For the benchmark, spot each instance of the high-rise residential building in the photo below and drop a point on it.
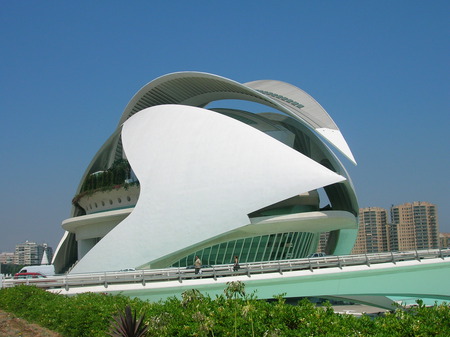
(31, 253)
(373, 231)
(414, 226)
(323, 239)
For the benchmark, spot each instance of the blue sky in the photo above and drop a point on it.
(68, 69)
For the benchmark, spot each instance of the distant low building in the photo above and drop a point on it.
(444, 240)
(6, 258)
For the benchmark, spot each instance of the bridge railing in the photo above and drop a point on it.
(106, 279)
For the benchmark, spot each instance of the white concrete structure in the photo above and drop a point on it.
(212, 182)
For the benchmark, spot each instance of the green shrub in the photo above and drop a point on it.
(233, 313)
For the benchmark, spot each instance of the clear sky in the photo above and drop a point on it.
(68, 69)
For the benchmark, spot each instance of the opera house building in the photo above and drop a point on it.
(202, 165)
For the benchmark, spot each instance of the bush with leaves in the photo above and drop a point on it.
(233, 313)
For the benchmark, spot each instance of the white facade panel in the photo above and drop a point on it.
(201, 173)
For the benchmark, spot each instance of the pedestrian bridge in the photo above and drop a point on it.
(373, 279)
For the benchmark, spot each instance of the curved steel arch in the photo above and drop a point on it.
(308, 110)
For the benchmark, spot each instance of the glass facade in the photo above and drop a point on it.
(280, 246)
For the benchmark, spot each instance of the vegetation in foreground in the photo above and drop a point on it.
(232, 314)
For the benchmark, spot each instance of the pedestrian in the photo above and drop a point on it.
(197, 264)
(236, 263)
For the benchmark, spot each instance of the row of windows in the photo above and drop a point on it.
(111, 202)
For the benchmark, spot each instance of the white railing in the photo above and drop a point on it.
(179, 274)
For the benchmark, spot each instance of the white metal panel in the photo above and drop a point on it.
(201, 173)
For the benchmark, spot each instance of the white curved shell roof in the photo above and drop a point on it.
(199, 89)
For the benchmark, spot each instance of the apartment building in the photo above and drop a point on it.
(31, 253)
(373, 234)
(414, 226)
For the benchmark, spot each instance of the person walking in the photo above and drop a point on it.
(236, 263)
(197, 264)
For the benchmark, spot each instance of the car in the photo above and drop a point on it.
(47, 270)
(316, 255)
(128, 269)
(22, 276)
(37, 279)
